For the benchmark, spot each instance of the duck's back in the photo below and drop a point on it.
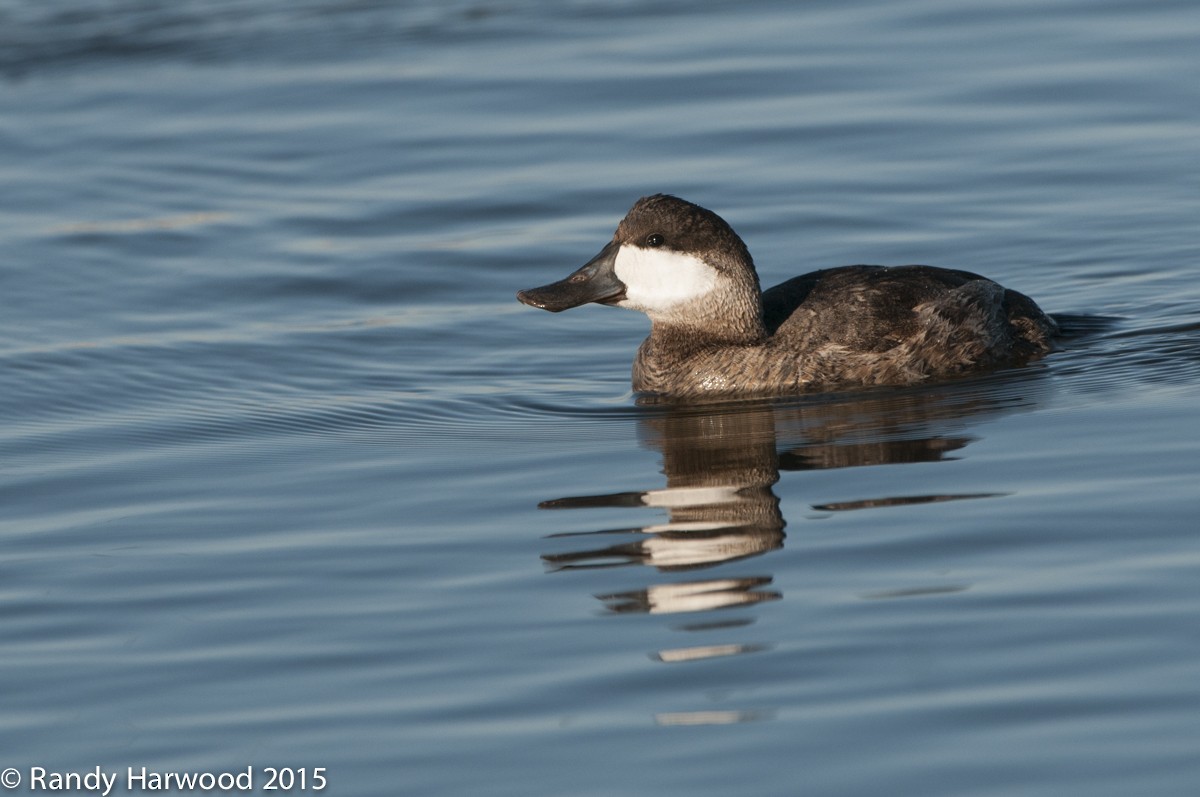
(876, 325)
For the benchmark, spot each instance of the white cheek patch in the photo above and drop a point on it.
(658, 279)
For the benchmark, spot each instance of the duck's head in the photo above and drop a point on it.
(676, 262)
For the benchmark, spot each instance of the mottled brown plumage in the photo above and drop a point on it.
(713, 333)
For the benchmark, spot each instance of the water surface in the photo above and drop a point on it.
(290, 479)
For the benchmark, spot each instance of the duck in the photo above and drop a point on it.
(715, 333)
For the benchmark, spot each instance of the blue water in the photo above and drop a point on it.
(274, 432)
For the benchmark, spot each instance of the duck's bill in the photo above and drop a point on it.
(595, 282)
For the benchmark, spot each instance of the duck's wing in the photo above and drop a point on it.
(872, 309)
(857, 301)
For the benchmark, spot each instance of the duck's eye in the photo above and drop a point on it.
(654, 240)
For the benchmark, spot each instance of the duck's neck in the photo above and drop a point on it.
(735, 321)
(684, 339)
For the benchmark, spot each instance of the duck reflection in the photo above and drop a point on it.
(721, 464)
(720, 468)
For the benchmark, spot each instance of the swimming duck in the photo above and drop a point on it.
(714, 332)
